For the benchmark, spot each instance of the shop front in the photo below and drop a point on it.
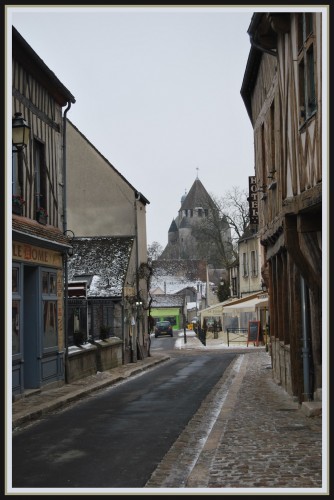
(239, 312)
(173, 315)
(37, 315)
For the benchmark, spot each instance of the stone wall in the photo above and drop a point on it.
(109, 353)
(88, 359)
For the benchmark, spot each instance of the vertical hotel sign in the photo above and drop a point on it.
(253, 208)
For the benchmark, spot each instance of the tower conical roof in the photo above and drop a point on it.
(173, 227)
(197, 197)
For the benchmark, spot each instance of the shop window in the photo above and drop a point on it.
(49, 305)
(50, 323)
(49, 283)
(45, 282)
(15, 326)
(16, 308)
(15, 280)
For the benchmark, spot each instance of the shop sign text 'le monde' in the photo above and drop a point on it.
(30, 253)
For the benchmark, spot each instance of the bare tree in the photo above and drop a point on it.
(154, 250)
(235, 207)
(217, 234)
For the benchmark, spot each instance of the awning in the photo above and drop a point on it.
(238, 305)
(215, 310)
(247, 305)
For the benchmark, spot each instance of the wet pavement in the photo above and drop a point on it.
(261, 439)
(248, 435)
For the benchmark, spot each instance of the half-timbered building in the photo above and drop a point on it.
(282, 92)
(39, 245)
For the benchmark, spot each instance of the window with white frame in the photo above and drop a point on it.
(244, 264)
(254, 266)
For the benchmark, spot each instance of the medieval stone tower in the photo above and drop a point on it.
(196, 206)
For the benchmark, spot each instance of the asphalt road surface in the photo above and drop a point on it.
(116, 438)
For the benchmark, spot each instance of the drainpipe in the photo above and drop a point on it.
(136, 331)
(64, 168)
(305, 338)
(65, 229)
(123, 332)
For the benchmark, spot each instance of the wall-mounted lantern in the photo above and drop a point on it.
(20, 133)
(71, 238)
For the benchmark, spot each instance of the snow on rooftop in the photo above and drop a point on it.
(103, 262)
(173, 276)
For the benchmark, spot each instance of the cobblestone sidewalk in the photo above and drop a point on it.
(260, 439)
(248, 434)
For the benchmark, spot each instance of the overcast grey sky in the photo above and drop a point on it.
(157, 92)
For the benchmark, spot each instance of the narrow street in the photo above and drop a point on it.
(117, 438)
(167, 327)
(166, 429)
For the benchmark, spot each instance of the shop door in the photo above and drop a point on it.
(31, 326)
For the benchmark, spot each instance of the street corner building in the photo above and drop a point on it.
(39, 245)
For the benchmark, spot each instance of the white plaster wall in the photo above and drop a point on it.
(100, 202)
(249, 283)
